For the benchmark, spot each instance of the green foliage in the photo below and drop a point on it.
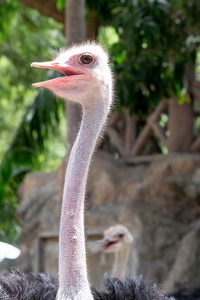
(28, 119)
(7, 11)
(60, 4)
(41, 115)
(156, 40)
(40, 121)
(29, 37)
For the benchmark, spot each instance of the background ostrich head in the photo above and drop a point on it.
(116, 238)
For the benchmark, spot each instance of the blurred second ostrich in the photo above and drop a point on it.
(117, 239)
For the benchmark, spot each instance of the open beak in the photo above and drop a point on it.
(106, 243)
(67, 70)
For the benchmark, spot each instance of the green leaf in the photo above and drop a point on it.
(60, 4)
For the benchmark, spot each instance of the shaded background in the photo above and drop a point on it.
(147, 168)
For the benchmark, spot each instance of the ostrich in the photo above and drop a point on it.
(87, 81)
(117, 239)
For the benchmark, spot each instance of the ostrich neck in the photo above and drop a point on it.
(72, 255)
(120, 263)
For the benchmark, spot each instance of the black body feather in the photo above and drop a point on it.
(133, 288)
(18, 286)
(187, 294)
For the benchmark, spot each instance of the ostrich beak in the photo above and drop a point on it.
(106, 243)
(67, 70)
(103, 241)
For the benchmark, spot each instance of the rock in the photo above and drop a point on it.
(7, 264)
(186, 266)
(39, 215)
(166, 210)
(172, 165)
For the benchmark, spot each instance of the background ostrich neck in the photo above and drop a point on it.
(72, 257)
(120, 263)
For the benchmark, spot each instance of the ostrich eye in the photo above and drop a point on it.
(86, 59)
(121, 235)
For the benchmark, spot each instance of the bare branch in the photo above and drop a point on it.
(132, 160)
(130, 131)
(155, 116)
(115, 117)
(147, 130)
(116, 140)
(159, 132)
(141, 140)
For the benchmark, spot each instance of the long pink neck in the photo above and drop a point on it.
(72, 257)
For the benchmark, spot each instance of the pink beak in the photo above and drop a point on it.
(67, 70)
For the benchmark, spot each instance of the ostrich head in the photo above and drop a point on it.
(116, 238)
(86, 77)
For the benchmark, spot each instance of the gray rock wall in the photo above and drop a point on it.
(159, 203)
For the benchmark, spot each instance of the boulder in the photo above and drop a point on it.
(186, 267)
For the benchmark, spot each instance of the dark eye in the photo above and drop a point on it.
(86, 59)
(121, 235)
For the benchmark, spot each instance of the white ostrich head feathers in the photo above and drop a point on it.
(87, 75)
(116, 238)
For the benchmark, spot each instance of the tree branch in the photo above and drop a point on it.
(116, 140)
(147, 130)
(115, 117)
(132, 160)
(130, 131)
(158, 130)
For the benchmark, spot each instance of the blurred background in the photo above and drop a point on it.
(146, 171)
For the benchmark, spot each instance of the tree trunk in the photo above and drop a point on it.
(75, 33)
(181, 118)
(92, 25)
(180, 126)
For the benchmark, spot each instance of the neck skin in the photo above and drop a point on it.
(120, 263)
(73, 282)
